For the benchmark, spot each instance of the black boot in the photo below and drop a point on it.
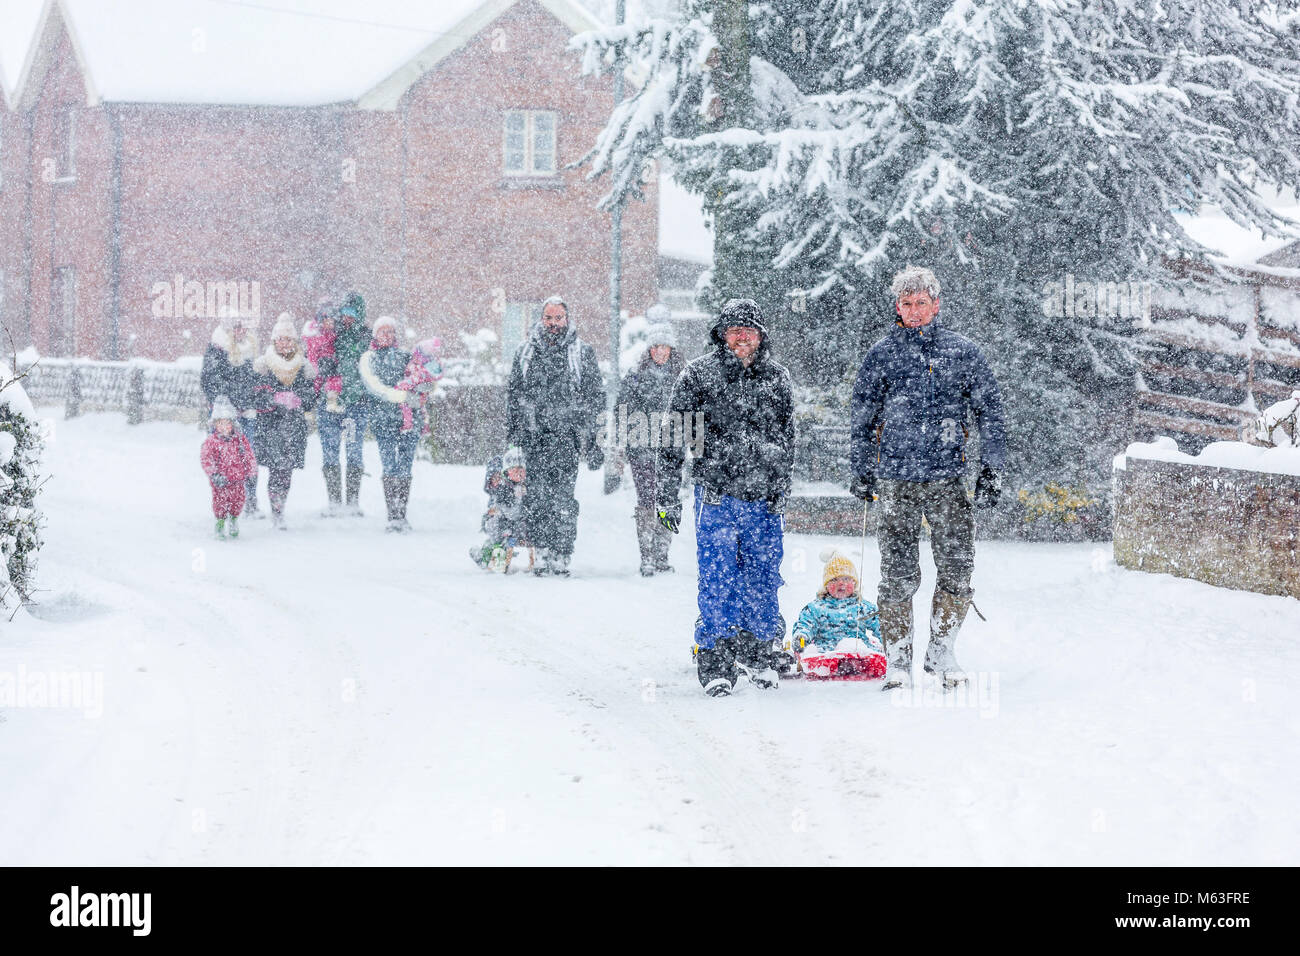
(354, 489)
(754, 657)
(716, 668)
(250, 498)
(662, 539)
(645, 539)
(389, 501)
(334, 490)
(401, 495)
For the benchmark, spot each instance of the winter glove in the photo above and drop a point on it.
(670, 516)
(218, 480)
(413, 399)
(776, 506)
(287, 400)
(863, 487)
(327, 366)
(988, 488)
(595, 457)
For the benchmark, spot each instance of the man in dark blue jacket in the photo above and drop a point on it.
(744, 461)
(913, 396)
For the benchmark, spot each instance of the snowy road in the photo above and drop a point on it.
(337, 695)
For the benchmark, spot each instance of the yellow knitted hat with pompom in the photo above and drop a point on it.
(838, 566)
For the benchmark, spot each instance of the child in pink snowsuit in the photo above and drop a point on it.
(422, 374)
(228, 461)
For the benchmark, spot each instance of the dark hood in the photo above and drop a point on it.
(717, 335)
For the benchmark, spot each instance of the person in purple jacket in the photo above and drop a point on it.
(914, 393)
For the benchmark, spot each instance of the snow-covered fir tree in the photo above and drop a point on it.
(20, 521)
(1009, 145)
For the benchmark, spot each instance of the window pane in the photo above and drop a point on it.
(516, 142)
(543, 142)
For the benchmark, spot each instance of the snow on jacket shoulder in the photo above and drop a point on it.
(913, 396)
(827, 621)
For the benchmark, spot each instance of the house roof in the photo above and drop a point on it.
(40, 56)
(256, 52)
(387, 94)
(1232, 244)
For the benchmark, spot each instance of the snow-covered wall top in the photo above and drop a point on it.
(1221, 454)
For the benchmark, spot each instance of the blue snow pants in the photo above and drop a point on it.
(738, 546)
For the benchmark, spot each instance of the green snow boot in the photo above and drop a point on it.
(221, 528)
(234, 527)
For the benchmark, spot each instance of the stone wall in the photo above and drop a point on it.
(1224, 526)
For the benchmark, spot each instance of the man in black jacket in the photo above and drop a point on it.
(742, 473)
(553, 404)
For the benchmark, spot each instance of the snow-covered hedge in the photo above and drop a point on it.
(20, 521)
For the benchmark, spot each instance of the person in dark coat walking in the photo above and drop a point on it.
(228, 370)
(381, 368)
(743, 468)
(639, 420)
(342, 417)
(914, 393)
(553, 405)
(284, 393)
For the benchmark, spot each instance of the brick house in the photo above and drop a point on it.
(137, 207)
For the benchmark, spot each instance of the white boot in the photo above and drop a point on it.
(947, 612)
(896, 635)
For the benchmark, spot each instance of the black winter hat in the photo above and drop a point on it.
(741, 312)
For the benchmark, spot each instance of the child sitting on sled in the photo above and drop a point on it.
(422, 374)
(838, 634)
(503, 522)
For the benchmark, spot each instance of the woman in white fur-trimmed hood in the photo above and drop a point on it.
(284, 391)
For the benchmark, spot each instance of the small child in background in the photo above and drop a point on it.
(228, 461)
(422, 374)
(503, 522)
(838, 634)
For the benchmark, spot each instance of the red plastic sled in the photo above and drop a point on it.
(840, 665)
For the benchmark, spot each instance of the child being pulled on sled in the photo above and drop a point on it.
(503, 522)
(228, 461)
(422, 374)
(840, 619)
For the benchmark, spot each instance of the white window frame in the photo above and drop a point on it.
(65, 277)
(67, 168)
(530, 160)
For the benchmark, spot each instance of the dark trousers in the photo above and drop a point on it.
(643, 476)
(952, 536)
(550, 508)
